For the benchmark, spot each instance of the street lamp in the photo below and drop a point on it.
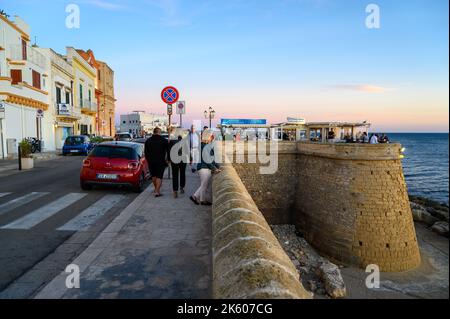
(210, 115)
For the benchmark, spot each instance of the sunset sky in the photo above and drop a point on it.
(265, 58)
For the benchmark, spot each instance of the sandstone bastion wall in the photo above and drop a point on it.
(248, 261)
(350, 201)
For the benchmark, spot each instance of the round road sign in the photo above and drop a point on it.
(170, 95)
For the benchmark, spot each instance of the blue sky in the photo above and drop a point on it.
(266, 59)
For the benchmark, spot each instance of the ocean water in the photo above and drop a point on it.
(425, 165)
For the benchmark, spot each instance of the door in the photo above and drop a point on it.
(65, 134)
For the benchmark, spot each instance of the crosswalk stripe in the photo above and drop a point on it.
(12, 204)
(4, 194)
(41, 214)
(92, 213)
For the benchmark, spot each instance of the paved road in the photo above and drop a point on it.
(46, 221)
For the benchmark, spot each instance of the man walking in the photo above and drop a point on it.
(156, 148)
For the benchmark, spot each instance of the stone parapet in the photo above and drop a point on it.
(248, 261)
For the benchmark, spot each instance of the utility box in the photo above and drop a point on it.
(11, 147)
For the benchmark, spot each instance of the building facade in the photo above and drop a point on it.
(140, 123)
(84, 74)
(24, 87)
(105, 100)
(61, 117)
(50, 96)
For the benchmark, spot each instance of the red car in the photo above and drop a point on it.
(115, 163)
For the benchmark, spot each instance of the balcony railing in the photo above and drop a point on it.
(65, 109)
(32, 55)
(60, 62)
(89, 105)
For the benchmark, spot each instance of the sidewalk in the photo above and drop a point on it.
(13, 164)
(156, 248)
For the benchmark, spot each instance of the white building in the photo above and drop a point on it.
(140, 123)
(24, 85)
(61, 116)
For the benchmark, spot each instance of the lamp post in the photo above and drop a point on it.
(209, 114)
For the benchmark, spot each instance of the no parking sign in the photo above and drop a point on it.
(170, 95)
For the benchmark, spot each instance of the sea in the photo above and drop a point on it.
(425, 165)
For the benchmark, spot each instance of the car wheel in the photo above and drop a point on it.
(84, 186)
(140, 186)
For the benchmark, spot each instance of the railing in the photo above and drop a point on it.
(32, 55)
(91, 105)
(65, 109)
(60, 62)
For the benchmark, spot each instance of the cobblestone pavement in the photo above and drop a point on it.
(156, 248)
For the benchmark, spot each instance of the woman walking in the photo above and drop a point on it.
(205, 168)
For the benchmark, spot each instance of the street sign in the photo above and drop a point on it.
(2, 110)
(170, 95)
(169, 109)
(181, 107)
(40, 113)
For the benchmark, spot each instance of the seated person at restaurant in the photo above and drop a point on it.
(331, 135)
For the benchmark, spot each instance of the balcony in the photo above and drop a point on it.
(32, 55)
(67, 113)
(89, 107)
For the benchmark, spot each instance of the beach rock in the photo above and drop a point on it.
(440, 228)
(420, 214)
(331, 276)
(312, 285)
(438, 213)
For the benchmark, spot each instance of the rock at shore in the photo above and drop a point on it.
(420, 214)
(332, 278)
(440, 228)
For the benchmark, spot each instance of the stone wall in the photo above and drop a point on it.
(352, 205)
(349, 200)
(274, 194)
(248, 261)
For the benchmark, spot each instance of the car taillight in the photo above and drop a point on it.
(133, 165)
(86, 163)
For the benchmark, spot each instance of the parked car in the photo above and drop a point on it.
(115, 163)
(123, 137)
(79, 144)
(140, 140)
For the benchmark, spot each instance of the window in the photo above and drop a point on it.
(124, 122)
(58, 95)
(16, 76)
(81, 95)
(89, 95)
(67, 97)
(114, 152)
(24, 49)
(36, 80)
(98, 75)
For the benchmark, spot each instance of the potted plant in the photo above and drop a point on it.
(26, 157)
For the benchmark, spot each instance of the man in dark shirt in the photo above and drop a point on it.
(156, 148)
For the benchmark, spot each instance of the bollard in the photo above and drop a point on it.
(19, 155)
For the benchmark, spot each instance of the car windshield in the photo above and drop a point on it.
(75, 140)
(114, 152)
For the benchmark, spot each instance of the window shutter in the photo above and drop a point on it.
(16, 76)
(24, 50)
(36, 80)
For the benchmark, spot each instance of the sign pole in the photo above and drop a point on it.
(1, 138)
